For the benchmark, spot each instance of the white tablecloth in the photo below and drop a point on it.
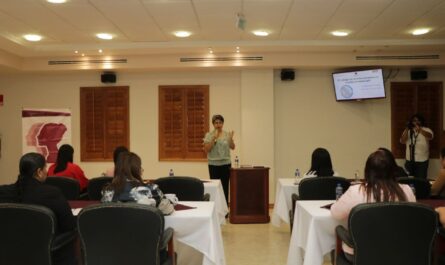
(283, 202)
(199, 228)
(314, 232)
(214, 188)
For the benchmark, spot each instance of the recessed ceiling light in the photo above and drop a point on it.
(83, 54)
(420, 31)
(182, 34)
(104, 36)
(56, 1)
(260, 33)
(339, 33)
(100, 51)
(32, 37)
(76, 52)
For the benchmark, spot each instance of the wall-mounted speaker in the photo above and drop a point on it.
(108, 77)
(287, 74)
(419, 74)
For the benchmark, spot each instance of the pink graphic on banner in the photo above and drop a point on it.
(44, 131)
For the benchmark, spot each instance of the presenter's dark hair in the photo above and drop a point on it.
(28, 166)
(217, 117)
(64, 156)
(321, 163)
(419, 117)
(380, 181)
(117, 151)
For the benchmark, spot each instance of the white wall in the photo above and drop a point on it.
(62, 91)
(307, 116)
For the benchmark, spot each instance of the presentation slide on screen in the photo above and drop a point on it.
(359, 85)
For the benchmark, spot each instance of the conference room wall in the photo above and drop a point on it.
(307, 116)
(62, 91)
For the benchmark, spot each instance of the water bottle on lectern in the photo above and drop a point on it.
(171, 173)
(236, 162)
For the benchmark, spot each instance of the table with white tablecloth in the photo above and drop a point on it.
(215, 189)
(313, 234)
(283, 201)
(198, 229)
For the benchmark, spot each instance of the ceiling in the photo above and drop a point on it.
(146, 26)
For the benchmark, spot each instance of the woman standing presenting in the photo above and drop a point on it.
(217, 144)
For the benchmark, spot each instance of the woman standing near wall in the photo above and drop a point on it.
(217, 144)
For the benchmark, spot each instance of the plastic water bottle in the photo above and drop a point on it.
(413, 188)
(171, 173)
(338, 191)
(236, 162)
(297, 176)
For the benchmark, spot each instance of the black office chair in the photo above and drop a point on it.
(389, 234)
(185, 188)
(27, 235)
(69, 187)
(95, 186)
(124, 233)
(317, 188)
(422, 186)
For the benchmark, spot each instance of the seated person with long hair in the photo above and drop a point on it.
(380, 185)
(64, 167)
(128, 186)
(31, 189)
(117, 151)
(321, 164)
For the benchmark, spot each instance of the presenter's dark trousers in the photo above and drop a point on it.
(222, 173)
(417, 169)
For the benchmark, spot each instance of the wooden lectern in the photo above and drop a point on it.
(249, 195)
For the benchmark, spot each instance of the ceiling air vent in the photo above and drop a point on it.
(398, 57)
(92, 61)
(220, 59)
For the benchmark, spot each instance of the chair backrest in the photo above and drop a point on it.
(422, 186)
(393, 233)
(120, 233)
(95, 186)
(321, 188)
(69, 187)
(26, 234)
(185, 188)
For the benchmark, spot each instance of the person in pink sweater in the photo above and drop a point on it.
(380, 186)
(64, 167)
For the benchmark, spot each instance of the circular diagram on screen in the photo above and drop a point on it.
(346, 91)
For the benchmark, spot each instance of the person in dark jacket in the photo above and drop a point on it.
(31, 189)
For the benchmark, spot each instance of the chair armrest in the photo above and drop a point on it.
(344, 235)
(84, 196)
(206, 197)
(295, 197)
(62, 240)
(168, 235)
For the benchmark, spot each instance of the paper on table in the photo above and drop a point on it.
(76, 211)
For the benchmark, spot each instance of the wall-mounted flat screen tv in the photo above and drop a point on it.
(358, 85)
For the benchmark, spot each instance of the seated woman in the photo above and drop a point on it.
(380, 186)
(31, 189)
(398, 170)
(321, 164)
(64, 166)
(117, 151)
(438, 187)
(127, 185)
